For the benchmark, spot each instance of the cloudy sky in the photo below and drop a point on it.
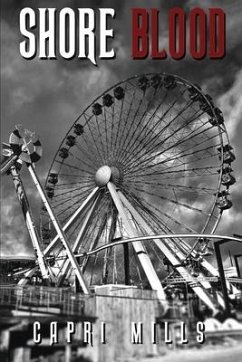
(47, 95)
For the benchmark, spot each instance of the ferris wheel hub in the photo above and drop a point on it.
(103, 175)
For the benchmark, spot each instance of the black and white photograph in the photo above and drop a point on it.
(121, 181)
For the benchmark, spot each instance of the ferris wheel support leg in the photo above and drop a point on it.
(139, 248)
(59, 230)
(30, 223)
(72, 219)
(174, 258)
(85, 224)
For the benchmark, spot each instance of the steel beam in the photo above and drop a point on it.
(174, 257)
(59, 230)
(72, 219)
(77, 242)
(30, 223)
(138, 246)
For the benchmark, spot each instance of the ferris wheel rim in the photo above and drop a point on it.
(185, 83)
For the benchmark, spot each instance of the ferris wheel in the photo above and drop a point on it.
(151, 155)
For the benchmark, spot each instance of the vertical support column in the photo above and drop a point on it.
(126, 264)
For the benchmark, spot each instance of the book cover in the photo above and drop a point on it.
(121, 181)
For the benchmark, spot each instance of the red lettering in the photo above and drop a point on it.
(177, 26)
(140, 38)
(207, 35)
(198, 33)
(217, 33)
(155, 53)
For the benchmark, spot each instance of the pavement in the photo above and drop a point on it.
(211, 354)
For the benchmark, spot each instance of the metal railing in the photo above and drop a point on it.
(47, 300)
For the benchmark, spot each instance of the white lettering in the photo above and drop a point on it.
(27, 47)
(67, 33)
(53, 333)
(105, 33)
(47, 37)
(70, 329)
(36, 332)
(136, 333)
(200, 332)
(87, 333)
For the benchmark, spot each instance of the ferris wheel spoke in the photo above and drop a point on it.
(154, 212)
(98, 152)
(83, 163)
(161, 168)
(204, 170)
(74, 167)
(124, 134)
(169, 186)
(112, 136)
(165, 127)
(144, 161)
(72, 190)
(92, 160)
(180, 156)
(181, 163)
(100, 138)
(111, 131)
(169, 124)
(192, 149)
(68, 176)
(151, 116)
(192, 152)
(138, 127)
(173, 201)
(89, 142)
(119, 119)
(172, 146)
(68, 199)
(123, 115)
(141, 154)
(64, 185)
(196, 175)
(106, 131)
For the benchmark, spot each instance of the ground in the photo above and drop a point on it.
(211, 354)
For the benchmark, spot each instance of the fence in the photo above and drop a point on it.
(49, 300)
